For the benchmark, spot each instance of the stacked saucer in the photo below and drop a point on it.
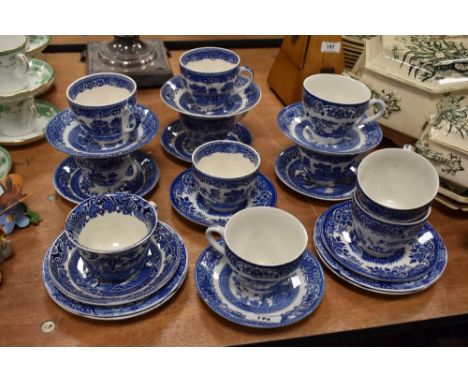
(381, 240)
(114, 260)
(102, 132)
(22, 117)
(331, 132)
(211, 96)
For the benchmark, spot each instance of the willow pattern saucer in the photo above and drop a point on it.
(294, 124)
(65, 134)
(117, 312)
(71, 276)
(380, 287)
(175, 95)
(288, 303)
(188, 203)
(41, 77)
(289, 169)
(45, 111)
(176, 140)
(74, 185)
(5, 162)
(412, 262)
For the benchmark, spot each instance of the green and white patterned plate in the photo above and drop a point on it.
(37, 43)
(45, 111)
(5, 162)
(41, 77)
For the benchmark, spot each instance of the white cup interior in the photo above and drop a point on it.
(398, 179)
(337, 88)
(266, 236)
(11, 42)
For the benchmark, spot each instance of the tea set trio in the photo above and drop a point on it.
(116, 259)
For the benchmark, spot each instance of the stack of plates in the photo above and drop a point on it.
(416, 267)
(455, 198)
(76, 289)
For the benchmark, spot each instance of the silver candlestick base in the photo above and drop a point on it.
(145, 61)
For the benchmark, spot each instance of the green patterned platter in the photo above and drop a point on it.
(45, 111)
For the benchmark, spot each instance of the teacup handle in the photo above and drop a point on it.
(250, 77)
(23, 59)
(134, 171)
(209, 235)
(127, 113)
(380, 112)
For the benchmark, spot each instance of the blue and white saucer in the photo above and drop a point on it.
(71, 276)
(176, 141)
(289, 169)
(295, 126)
(187, 202)
(175, 95)
(288, 303)
(380, 287)
(74, 185)
(117, 312)
(65, 134)
(412, 262)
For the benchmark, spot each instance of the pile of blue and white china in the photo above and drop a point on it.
(331, 133)
(101, 131)
(115, 259)
(210, 95)
(22, 116)
(381, 240)
(260, 274)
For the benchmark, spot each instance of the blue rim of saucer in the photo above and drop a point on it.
(293, 123)
(186, 201)
(414, 261)
(288, 303)
(174, 139)
(118, 312)
(174, 95)
(65, 134)
(375, 286)
(69, 274)
(288, 168)
(73, 185)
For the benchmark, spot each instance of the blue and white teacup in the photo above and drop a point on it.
(14, 65)
(334, 104)
(212, 74)
(383, 238)
(112, 233)
(396, 185)
(328, 170)
(104, 104)
(202, 130)
(225, 173)
(263, 245)
(108, 174)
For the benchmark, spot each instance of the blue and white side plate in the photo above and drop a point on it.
(176, 141)
(65, 134)
(117, 312)
(187, 202)
(289, 169)
(380, 287)
(175, 95)
(71, 276)
(293, 123)
(288, 303)
(74, 185)
(412, 262)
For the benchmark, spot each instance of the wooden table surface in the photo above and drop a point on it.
(185, 319)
